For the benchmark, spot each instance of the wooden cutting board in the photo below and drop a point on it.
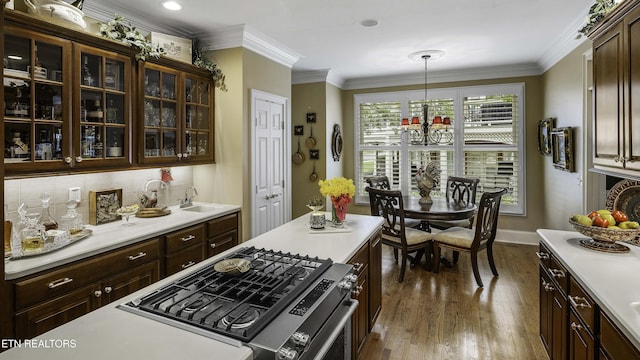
(152, 212)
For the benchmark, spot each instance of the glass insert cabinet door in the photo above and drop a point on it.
(198, 134)
(36, 94)
(161, 114)
(102, 106)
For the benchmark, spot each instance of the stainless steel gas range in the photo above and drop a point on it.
(285, 306)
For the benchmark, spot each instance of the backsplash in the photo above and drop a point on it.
(131, 182)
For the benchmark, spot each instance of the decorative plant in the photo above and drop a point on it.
(118, 30)
(204, 63)
(597, 11)
(341, 191)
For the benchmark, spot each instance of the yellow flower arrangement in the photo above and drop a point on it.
(337, 187)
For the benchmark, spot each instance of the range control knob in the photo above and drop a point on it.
(345, 285)
(300, 339)
(285, 353)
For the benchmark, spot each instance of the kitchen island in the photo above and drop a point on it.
(109, 332)
(600, 288)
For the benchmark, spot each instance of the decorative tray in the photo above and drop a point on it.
(625, 196)
(152, 212)
(85, 233)
(330, 229)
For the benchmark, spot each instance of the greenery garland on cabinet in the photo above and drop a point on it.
(597, 11)
(118, 30)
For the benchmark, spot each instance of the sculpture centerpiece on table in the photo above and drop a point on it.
(427, 178)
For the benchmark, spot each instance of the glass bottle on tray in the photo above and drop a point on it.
(46, 219)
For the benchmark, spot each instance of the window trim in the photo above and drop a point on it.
(457, 94)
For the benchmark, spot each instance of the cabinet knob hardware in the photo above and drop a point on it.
(357, 290)
(179, 155)
(97, 293)
(54, 284)
(138, 256)
(108, 289)
(189, 264)
(617, 159)
(188, 238)
(68, 160)
(213, 245)
(576, 327)
(185, 155)
(542, 255)
(78, 159)
(583, 303)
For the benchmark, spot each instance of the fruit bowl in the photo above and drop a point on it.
(605, 234)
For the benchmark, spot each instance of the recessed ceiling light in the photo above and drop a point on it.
(171, 5)
(369, 22)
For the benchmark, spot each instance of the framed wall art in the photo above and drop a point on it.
(298, 130)
(562, 149)
(103, 205)
(314, 154)
(311, 117)
(544, 139)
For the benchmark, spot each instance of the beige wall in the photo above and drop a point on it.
(228, 180)
(562, 86)
(307, 98)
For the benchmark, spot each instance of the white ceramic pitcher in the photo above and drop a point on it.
(57, 11)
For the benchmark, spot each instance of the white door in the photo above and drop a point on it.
(270, 198)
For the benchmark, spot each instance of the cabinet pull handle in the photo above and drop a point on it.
(576, 327)
(547, 287)
(356, 291)
(188, 238)
(108, 289)
(579, 305)
(136, 257)
(542, 255)
(54, 284)
(557, 273)
(189, 264)
(357, 267)
(617, 159)
(213, 245)
(97, 293)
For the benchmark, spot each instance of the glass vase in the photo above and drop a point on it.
(338, 214)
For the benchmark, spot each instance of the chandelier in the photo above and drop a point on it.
(438, 131)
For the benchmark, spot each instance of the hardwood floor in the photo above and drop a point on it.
(446, 316)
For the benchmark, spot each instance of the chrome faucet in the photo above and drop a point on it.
(163, 185)
(188, 200)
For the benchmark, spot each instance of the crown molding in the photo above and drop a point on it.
(249, 38)
(494, 72)
(310, 76)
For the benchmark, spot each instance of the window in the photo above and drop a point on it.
(483, 138)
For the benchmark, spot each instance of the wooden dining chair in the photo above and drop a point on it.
(459, 189)
(473, 240)
(395, 233)
(378, 182)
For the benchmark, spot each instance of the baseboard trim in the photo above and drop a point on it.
(517, 237)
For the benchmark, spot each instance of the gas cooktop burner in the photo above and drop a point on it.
(238, 305)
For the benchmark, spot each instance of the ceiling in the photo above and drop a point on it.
(480, 38)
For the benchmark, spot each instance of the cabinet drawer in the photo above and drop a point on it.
(614, 343)
(559, 274)
(185, 238)
(221, 243)
(222, 225)
(51, 284)
(544, 255)
(582, 304)
(184, 259)
(361, 259)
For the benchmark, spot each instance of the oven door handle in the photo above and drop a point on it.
(337, 330)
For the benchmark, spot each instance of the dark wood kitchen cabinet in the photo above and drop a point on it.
(616, 48)
(222, 234)
(572, 323)
(46, 300)
(184, 248)
(553, 305)
(177, 114)
(367, 264)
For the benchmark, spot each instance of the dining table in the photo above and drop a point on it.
(439, 209)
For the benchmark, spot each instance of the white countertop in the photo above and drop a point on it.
(114, 235)
(110, 333)
(612, 279)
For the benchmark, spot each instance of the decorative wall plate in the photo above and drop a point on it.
(336, 143)
(625, 196)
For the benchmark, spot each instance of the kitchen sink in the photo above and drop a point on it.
(203, 208)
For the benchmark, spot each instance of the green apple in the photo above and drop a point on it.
(605, 212)
(613, 227)
(629, 225)
(582, 219)
(609, 218)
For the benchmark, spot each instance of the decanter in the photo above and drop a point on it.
(46, 220)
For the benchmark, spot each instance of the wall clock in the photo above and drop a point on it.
(336, 143)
